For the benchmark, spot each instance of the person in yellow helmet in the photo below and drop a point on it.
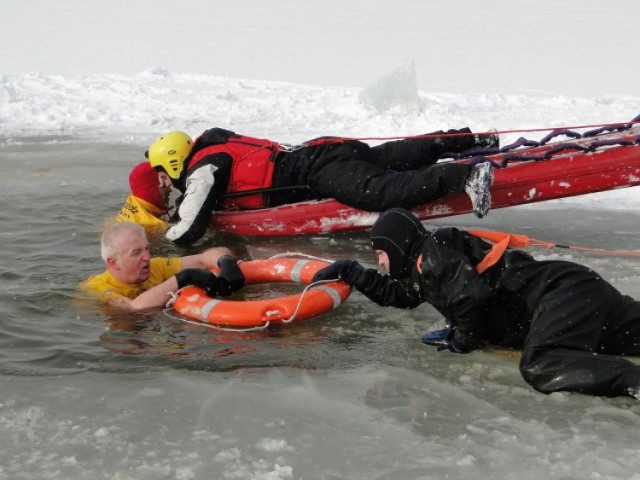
(147, 204)
(221, 170)
(135, 281)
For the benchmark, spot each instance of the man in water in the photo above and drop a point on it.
(568, 321)
(135, 281)
(221, 170)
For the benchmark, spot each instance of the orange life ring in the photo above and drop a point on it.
(192, 302)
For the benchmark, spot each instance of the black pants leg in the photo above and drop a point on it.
(622, 335)
(573, 320)
(415, 153)
(341, 171)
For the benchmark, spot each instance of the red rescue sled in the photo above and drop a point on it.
(574, 167)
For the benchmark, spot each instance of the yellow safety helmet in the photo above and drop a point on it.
(169, 152)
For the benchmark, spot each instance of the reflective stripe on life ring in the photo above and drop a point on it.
(195, 304)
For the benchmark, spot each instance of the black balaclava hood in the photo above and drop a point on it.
(398, 233)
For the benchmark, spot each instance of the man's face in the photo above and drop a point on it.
(132, 264)
(165, 187)
(383, 259)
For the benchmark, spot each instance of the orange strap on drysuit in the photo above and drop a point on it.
(501, 241)
(493, 255)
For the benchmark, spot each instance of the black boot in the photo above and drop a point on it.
(488, 140)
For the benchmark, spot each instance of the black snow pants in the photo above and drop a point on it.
(399, 173)
(579, 326)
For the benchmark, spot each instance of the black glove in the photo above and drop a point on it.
(231, 278)
(347, 270)
(445, 339)
(201, 278)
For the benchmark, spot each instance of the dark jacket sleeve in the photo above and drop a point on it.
(386, 291)
(452, 284)
(204, 186)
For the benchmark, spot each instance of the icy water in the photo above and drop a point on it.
(88, 393)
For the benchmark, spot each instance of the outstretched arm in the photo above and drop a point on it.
(196, 206)
(203, 190)
(196, 271)
(381, 289)
(155, 297)
(386, 291)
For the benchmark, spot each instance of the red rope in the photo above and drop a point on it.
(533, 242)
(619, 253)
(519, 240)
(464, 134)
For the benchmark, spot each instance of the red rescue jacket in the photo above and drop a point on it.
(251, 167)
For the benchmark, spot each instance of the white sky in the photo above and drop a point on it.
(585, 48)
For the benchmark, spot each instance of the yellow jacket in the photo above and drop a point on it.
(137, 210)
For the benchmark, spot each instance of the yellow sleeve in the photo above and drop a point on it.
(163, 268)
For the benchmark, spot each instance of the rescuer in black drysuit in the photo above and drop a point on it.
(569, 322)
